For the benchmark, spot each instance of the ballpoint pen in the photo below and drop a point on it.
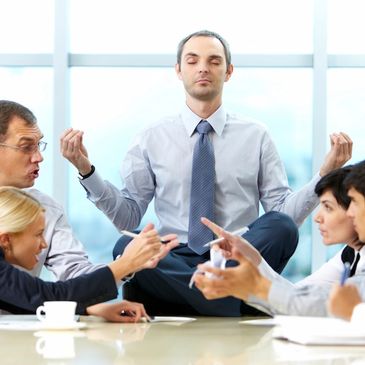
(239, 232)
(134, 235)
(345, 273)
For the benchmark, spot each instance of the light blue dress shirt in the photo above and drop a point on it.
(158, 165)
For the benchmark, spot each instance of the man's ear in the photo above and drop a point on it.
(178, 70)
(229, 72)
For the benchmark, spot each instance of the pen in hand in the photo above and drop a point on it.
(345, 273)
(134, 235)
(238, 232)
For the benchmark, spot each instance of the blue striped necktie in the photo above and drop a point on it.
(202, 190)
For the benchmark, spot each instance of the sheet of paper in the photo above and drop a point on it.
(318, 331)
(27, 322)
(171, 319)
(19, 325)
(260, 322)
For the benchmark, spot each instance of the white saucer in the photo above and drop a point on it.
(62, 326)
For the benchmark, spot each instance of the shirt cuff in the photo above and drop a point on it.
(94, 186)
(82, 177)
(266, 270)
(259, 304)
(278, 298)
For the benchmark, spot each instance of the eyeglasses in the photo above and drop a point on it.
(29, 148)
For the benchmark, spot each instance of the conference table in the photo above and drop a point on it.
(203, 341)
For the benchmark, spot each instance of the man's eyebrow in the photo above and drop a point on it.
(27, 139)
(190, 54)
(211, 57)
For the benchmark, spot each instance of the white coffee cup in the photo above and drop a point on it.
(57, 312)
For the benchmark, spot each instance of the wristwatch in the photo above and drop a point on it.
(82, 177)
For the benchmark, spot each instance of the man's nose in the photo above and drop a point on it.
(203, 67)
(37, 156)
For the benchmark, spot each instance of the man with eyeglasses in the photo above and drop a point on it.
(20, 156)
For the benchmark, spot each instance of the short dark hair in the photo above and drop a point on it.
(204, 33)
(334, 182)
(356, 178)
(11, 109)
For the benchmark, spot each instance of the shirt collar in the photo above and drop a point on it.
(217, 120)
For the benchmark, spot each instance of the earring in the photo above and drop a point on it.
(6, 248)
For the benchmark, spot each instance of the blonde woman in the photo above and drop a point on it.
(22, 222)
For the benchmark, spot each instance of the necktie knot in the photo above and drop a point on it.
(204, 127)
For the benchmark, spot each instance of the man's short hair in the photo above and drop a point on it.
(11, 109)
(204, 33)
(356, 178)
(334, 182)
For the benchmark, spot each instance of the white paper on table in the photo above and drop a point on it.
(171, 319)
(30, 322)
(266, 322)
(174, 321)
(20, 325)
(318, 331)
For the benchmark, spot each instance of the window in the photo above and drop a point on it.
(346, 27)
(27, 26)
(152, 27)
(118, 66)
(346, 106)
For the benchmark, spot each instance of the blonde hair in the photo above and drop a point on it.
(17, 210)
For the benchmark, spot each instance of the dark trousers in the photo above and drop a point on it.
(165, 291)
